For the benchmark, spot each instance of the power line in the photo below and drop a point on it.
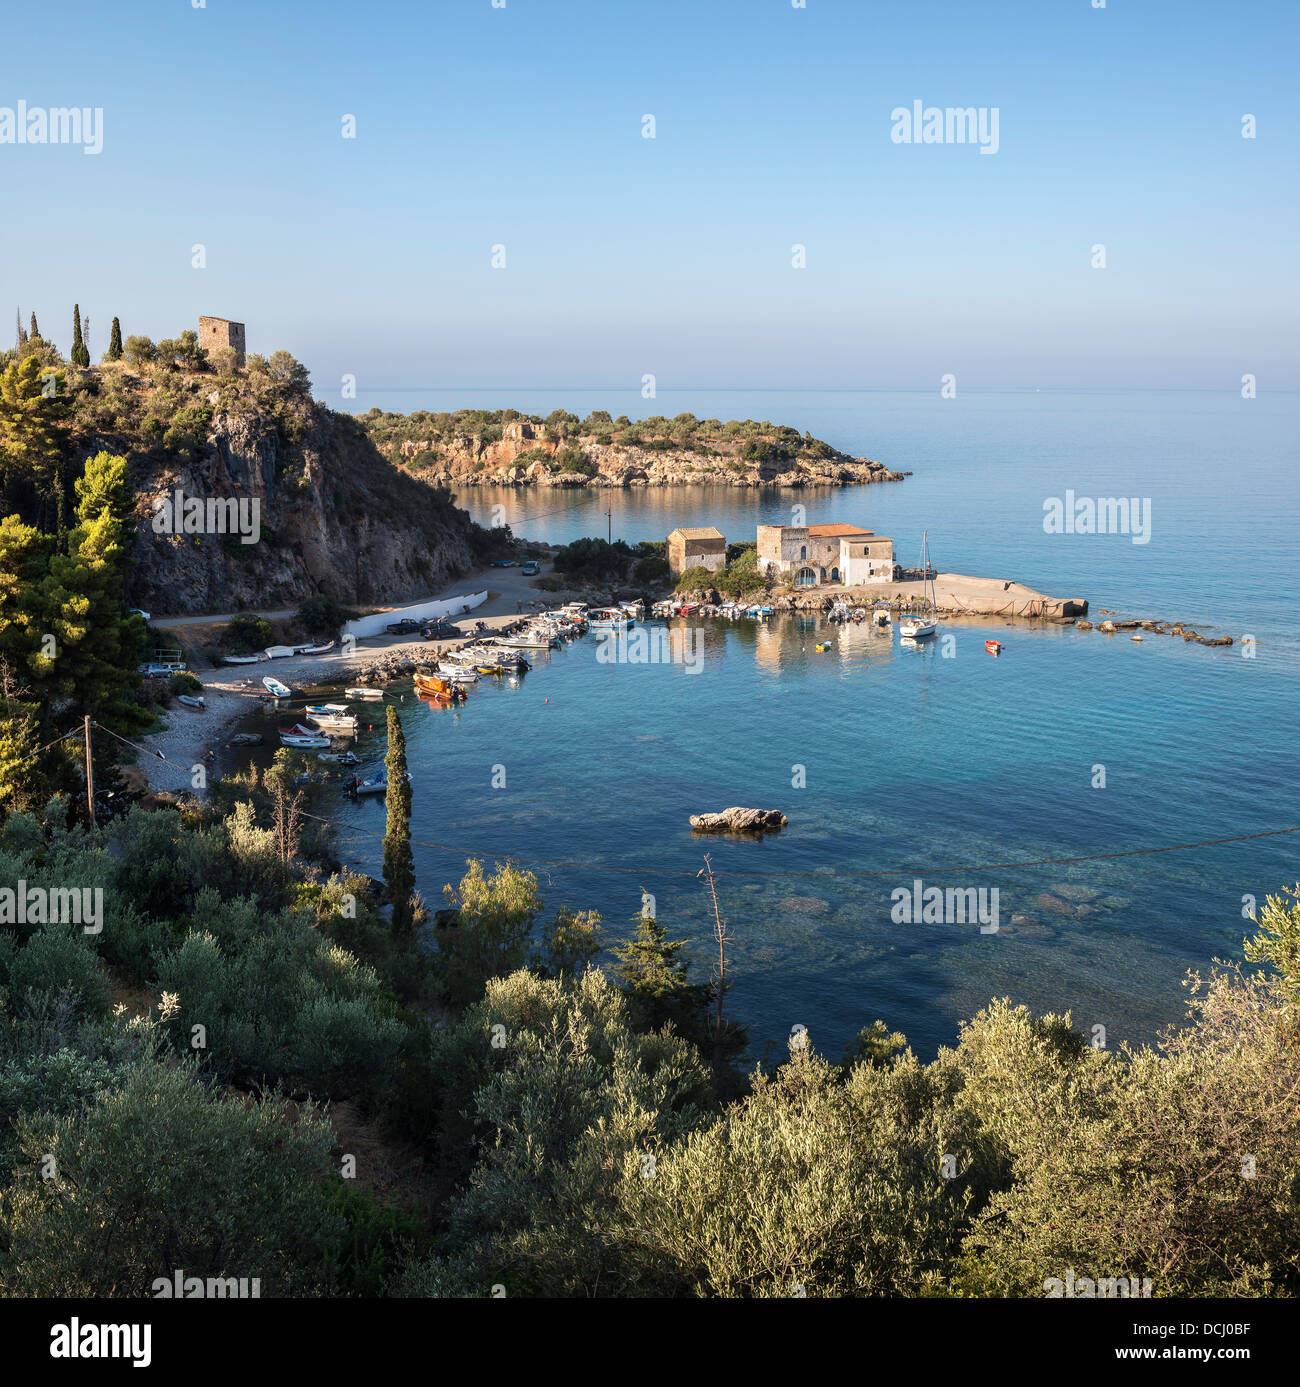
(914, 871)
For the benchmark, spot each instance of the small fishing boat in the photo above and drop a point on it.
(442, 690)
(192, 700)
(363, 692)
(325, 709)
(462, 674)
(377, 784)
(278, 689)
(609, 619)
(245, 739)
(313, 649)
(334, 723)
(823, 646)
(279, 652)
(881, 615)
(297, 730)
(993, 647)
(301, 743)
(1135, 638)
(342, 758)
(242, 659)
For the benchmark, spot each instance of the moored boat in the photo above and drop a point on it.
(304, 743)
(377, 784)
(993, 647)
(439, 688)
(334, 723)
(363, 691)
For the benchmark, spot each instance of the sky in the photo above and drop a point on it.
(521, 125)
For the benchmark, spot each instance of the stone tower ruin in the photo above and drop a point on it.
(221, 332)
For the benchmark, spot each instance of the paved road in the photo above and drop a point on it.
(508, 587)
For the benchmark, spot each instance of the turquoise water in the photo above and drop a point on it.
(914, 760)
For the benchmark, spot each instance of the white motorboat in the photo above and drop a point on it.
(333, 722)
(278, 689)
(300, 743)
(364, 692)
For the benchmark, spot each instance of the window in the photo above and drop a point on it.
(803, 552)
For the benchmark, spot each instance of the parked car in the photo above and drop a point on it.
(531, 569)
(505, 563)
(136, 611)
(401, 628)
(439, 631)
(161, 671)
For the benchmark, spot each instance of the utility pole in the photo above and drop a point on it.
(90, 778)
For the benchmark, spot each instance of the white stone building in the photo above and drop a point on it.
(833, 555)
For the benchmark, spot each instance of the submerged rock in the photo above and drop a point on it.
(739, 821)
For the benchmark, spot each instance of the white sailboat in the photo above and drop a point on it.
(917, 628)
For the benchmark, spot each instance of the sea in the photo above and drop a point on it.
(1065, 774)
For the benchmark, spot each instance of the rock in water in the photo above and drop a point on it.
(739, 821)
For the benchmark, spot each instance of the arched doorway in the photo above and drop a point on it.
(806, 578)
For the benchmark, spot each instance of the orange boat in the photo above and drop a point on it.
(440, 690)
(993, 647)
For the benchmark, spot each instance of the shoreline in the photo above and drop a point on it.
(194, 737)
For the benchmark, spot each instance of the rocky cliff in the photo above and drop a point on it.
(531, 452)
(333, 516)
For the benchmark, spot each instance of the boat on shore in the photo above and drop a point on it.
(279, 652)
(278, 689)
(192, 700)
(242, 659)
(313, 649)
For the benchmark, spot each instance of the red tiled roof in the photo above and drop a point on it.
(839, 531)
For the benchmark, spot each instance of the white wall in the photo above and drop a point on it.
(452, 607)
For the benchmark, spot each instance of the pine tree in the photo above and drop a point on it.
(399, 865)
(114, 352)
(30, 444)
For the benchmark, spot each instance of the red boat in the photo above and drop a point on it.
(993, 647)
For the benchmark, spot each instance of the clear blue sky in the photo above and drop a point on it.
(522, 126)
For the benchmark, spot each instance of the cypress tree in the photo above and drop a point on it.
(34, 331)
(114, 352)
(78, 355)
(399, 865)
